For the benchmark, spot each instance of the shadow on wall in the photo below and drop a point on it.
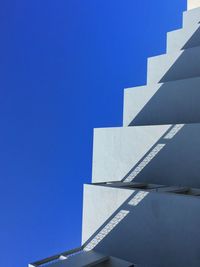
(194, 40)
(182, 69)
(177, 153)
(172, 103)
(187, 70)
(181, 98)
(173, 160)
(152, 230)
(155, 229)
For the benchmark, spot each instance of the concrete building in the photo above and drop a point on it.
(142, 207)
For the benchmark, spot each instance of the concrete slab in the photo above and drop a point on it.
(169, 103)
(185, 38)
(159, 229)
(107, 201)
(135, 100)
(117, 150)
(166, 154)
(174, 66)
(191, 17)
(83, 259)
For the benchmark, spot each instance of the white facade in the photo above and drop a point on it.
(158, 146)
(142, 208)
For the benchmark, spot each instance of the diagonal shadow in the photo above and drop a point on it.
(193, 41)
(180, 98)
(186, 66)
(92, 242)
(183, 63)
(168, 144)
(180, 92)
(148, 156)
(176, 146)
(171, 142)
(190, 52)
(179, 159)
(155, 231)
(173, 103)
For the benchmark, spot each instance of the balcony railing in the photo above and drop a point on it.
(58, 257)
(82, 258)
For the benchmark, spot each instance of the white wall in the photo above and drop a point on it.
(117, 150)
(99, 204)
(193, 4)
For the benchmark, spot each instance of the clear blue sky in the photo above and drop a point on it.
(63, 67)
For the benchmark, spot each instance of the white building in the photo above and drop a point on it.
(142, 207)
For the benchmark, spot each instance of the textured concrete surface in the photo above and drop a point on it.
(185, 38)
(191, 17)
(168, 103)
(152, 229)
(172, 91)
(174, 66)
(99, 204)
(155, 154)
(158, 229)
(117, 150)
(135, 99)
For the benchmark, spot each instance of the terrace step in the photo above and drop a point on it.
(168, 103)
(184, 38)
(191, 17)
(174, 66)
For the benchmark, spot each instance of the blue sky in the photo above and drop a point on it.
(63, 67)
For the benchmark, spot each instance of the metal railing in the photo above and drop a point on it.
(60, 256)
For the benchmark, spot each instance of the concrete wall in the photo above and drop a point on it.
(117, 150)
(172, 91)
(107, 201)
(174, 66)
(168, 103)
(151, 229)
(184, 38)
(155, 154)
(89, 259)
(191, 17)
(178, 64)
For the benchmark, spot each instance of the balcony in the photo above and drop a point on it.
(80, 258)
